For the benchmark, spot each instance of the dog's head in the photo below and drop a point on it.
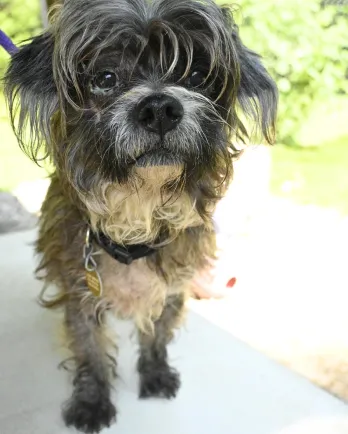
(115, 85)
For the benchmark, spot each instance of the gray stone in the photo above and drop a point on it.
(13, 216)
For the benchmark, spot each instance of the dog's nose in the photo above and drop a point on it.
(159, 113)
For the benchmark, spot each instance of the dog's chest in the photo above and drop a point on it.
(132, 290)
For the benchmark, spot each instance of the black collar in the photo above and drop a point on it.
(124, 254)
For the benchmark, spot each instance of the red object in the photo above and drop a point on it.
(231, 282)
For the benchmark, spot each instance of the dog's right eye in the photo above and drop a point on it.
(105, 80)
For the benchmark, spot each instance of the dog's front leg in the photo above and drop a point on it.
(157, 378)
(89, 409)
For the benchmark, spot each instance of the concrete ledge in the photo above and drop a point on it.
(228, 388)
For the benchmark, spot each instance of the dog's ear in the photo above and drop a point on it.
(31, 95)
(258, 94)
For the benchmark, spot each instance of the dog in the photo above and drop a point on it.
(137, 105)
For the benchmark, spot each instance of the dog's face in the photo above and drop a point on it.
(115, 85)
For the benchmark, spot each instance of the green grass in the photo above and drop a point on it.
(317, 171)
(313, 175)
(15, 166)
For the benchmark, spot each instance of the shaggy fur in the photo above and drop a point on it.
(137, 105)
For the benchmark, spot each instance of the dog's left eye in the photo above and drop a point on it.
(105, 80)
(196, 79)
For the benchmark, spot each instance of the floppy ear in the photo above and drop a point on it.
(31, 95)
(258, 94)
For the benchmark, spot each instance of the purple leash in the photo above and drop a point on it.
(7, 44)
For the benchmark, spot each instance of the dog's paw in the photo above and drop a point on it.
(89, 417)
(160, 382)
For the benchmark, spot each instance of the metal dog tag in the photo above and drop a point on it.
(94, 282)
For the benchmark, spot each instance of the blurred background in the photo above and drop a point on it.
(284, 223)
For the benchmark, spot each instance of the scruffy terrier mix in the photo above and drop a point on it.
(136, 104)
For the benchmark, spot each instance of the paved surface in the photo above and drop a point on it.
(291, 296)
(228, 388)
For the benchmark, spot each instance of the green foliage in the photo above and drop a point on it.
(303, 47)
(20, 19)
(302, 44)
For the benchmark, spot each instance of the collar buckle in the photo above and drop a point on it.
(122, 255)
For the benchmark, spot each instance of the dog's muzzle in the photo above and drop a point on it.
(159, 114)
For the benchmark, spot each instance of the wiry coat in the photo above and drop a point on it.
(134, 184)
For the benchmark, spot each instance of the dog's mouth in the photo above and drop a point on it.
(158, 157)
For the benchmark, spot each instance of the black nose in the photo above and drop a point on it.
(159, 113)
